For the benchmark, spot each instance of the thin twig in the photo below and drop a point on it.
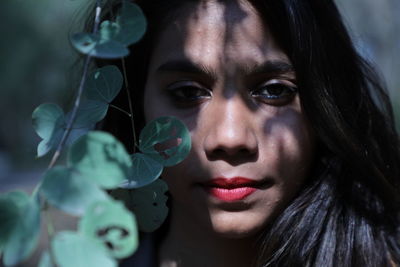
(120, 109)
(130, 104)
(64, 138)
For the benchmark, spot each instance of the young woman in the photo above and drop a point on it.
(295, 160)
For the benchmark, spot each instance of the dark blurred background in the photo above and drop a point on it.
(37, 65)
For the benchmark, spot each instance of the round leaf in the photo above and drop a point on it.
(100, 157)
(144, 171)
(69, 191)
(74, 249)
(92, 45)
(113, 224)
(49, 122)
(89, 113)
(165, 139)
(8, 217)
(104, 84)
(148, 203)
(46, 119)
(132, 24)
(23, 238)
(85, 42)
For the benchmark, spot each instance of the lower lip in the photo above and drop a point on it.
(231, 194)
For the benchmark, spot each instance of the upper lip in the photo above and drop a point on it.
(234, 182)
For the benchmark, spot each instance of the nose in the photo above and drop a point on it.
(231, 132)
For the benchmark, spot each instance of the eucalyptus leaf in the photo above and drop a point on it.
(111, 223)
(48, 121)
(100, 157)
(148, 203)
(166, 140)
(92, 45)
(132, 24)
(88, 114)
(104, 84)
(113, 37)
(77, 250)
(144, 171)
(85, 42)
(8, 216)
(23, 237)
(69, 191)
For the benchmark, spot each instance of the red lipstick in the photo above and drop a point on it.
(232, 189)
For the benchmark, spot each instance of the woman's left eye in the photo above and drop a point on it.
(275, 93)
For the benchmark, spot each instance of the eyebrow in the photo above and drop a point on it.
(275, 66)
(186, 66)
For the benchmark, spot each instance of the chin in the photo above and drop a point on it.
(236, 225)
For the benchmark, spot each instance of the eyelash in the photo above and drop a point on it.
(178, 90)
(283, 94)
(189, 93)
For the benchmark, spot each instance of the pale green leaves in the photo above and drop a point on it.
(96, 160)
(148, 203)
(113, 38)
(100, 156)
(166, 140)
(114, 225)
(78, 250)
(68, 190)
(19, 227)
(49, 120)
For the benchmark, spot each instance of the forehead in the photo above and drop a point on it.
(218, 34)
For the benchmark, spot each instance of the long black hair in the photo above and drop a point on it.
(347, 213)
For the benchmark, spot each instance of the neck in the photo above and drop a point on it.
(189, 244)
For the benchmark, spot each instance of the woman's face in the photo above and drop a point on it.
(219, 70)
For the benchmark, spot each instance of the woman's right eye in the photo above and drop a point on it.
(188, 93)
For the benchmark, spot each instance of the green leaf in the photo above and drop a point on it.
(111, 223)
(144, 171)
(23, 237)
(165, 139)
(85, 42)
(89, 113)
(50, 123)
(48, 120)
(8, 217)
(69, 191)
(132, 24)
(148, 203)
(92, 45)
(104, 84)
(100, 157)
(77, 250)
(45, 260)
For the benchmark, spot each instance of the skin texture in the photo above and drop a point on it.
(240, 125)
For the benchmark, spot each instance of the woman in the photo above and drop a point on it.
(295, 160)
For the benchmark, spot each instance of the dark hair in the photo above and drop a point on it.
(347, 214)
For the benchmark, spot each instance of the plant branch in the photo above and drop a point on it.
(64, 138)
(130, 104)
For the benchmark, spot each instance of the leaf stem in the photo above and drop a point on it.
(120, 109)
(130, 104)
